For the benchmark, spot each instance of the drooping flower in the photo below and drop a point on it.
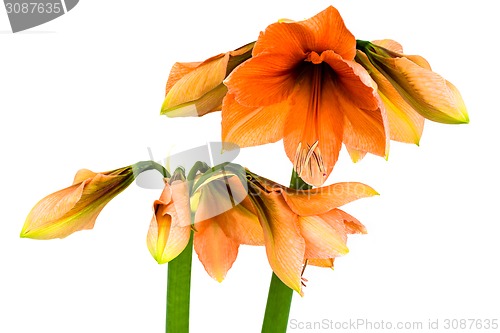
(170, 227)
(223, 219)
(407, 82)
(302, 85)
(196, 88)
(304, 226)
(76, 207)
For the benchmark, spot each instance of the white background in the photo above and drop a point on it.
(85, 90)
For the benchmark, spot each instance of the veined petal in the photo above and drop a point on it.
(76, 207)
(251, 126)
(178, 71)
(210, 102)
(225, 202)
(167, 235)
(196, 83)
(389, 44)
(216, 251)
(331, 33)
(179, 208)
(366, 130)
(405, 124)
(266, 79)
(324, 239)
(285, 247)
(352, 225)
(427, 92)
(320, 200)
(52, 209)
(285, 38)
(314, 126)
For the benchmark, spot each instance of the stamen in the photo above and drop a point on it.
(308, 162)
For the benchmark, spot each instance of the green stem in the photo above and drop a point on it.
(279, 298)
(178, 291)
(149, 165)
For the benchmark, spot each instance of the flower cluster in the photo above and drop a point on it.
(308, 83)
(312, 84)
(223, 207)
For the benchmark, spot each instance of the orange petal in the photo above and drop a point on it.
(210, 102)
(428, 93)
(314, 126)
(355, 154)
(224, 202)
(286, 38)
(321, 262)
(196, 83)
(167, 235)
(405, 124)
(76, 207)
(320, 200)
(389, 44)
(331, 33)
(178, 71)
(285, 247)
(352, 225)
(366, 130)
(216, 251)
(324, 239)
(250, 126)
(272, 73)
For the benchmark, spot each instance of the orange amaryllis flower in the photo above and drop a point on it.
(413, 80)
(303, 85)
(223, 218)
(196, 88)
(76, 207)
(304, 226)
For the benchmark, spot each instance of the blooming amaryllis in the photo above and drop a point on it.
(302, 85)
(304, 226)
(231, 207)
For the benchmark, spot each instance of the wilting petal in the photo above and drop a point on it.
(170, 226)
(76, 207)
(250, 126)
(285, 247)
(216, 251)
(320, 200)
(324, 238)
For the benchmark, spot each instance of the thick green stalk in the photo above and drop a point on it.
(279, 298)
(178, 291)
